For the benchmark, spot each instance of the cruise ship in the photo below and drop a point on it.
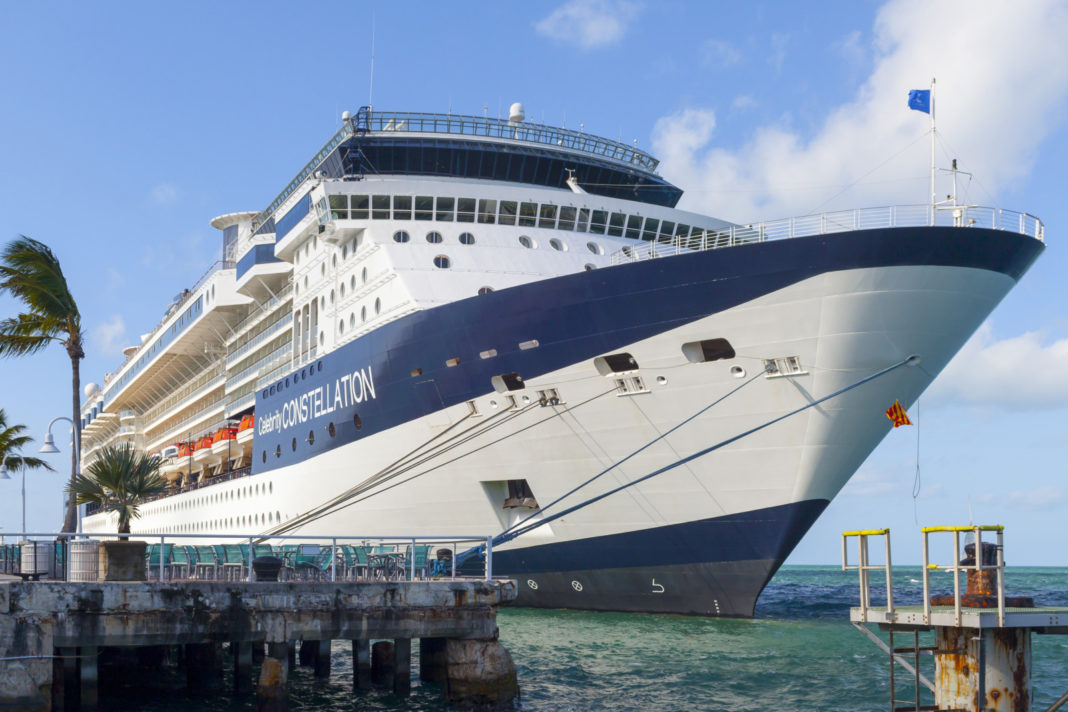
(457, 324)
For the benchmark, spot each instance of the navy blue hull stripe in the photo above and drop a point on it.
(764, 534)
(573, 318)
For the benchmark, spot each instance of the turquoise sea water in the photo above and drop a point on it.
(799, 653)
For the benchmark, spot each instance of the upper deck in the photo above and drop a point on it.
(603, 166)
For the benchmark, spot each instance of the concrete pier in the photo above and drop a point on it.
(51, 633)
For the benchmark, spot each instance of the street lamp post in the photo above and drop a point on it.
(5, 476)
(49, 447)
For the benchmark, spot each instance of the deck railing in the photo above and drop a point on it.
(840, 221)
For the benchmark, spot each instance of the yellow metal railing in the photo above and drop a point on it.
(956, 567)
(864, 566)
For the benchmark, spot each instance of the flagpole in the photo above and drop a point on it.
(934, 199)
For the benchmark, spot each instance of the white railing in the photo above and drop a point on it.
(841, 221)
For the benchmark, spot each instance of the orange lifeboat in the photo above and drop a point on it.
(247, 422)
(184, 449)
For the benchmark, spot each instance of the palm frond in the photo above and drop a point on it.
(118, 479)
(32, 274)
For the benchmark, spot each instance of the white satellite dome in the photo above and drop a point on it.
(91, 389)
(516, 112)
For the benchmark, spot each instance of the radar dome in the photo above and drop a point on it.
(516, 112)
(91, 389)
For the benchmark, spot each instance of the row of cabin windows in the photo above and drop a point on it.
(506, 212)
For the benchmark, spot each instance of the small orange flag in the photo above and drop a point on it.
(898, 415)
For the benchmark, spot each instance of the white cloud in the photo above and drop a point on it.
(1039, 498)
(778, 51)
(164, 194)
(1022, 372)
(589, 23)
(721, 54)
(852, 49)
(1002, 77)
(742, 102)
(109, 338)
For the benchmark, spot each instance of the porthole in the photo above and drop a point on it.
(589, 268)
(319, 366)
(485, 290)
(305, 281)
(401, 236)
(467, 238)
(322, 338)
(557, 245)
(737, 371)
(341, 327)
(344, 251)
(363, 313)
(441, 262)
(527, 242)
(278, 451)
(595, 248)
(378, 305)
(342, 290)
(363, 275)
(434, 237)
(331, 296)
(270, 487)
(311, 437)
(322, 302)
(333, 261)
(352, 282)
(322, 270)
(352, 320)
(357, 421)
(265, 457)
(331, 429)
(294, 444)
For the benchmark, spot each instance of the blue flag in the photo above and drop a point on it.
(920, 100)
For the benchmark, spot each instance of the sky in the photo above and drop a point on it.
(124, 132)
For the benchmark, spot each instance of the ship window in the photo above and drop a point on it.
(278, 451)
(615, 225)
(363, 313)
(651, 226)
(359, 207)
(508, 211)
(598, 220)
(467, 238)
(567, 218)
(342, 290)
(707, 350)
(507, 382)
(331, 296)
(487, 211)
(441, 262)
(548, 216)
(341, 327)
(363, 275)
(682, 230)
(264, 456)
(352, 282)
(465, 210)
(294, 444)
(352, 320)
(527, 242)
(445, 207)
(594, 248)
(401, 236)
(557, 245)
(434, 237)
(339, 207)
(322, 269)
(378, 305)
(615, 363)
(583, 219)
(667, 229)
(356, 421)
(634, 226)
(485, 290)
(322, 338)
(380, 207)
(402, 207)
(311, 437)
(345, 251)
(333, 261)
(527, 213)
(424, 207)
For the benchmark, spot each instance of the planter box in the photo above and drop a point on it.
(121, 561)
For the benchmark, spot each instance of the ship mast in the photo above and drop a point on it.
(934, 199)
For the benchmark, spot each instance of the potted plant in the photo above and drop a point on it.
(118, 480)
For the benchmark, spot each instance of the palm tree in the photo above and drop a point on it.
(119, 479)
(31, 273)
(12, 441)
